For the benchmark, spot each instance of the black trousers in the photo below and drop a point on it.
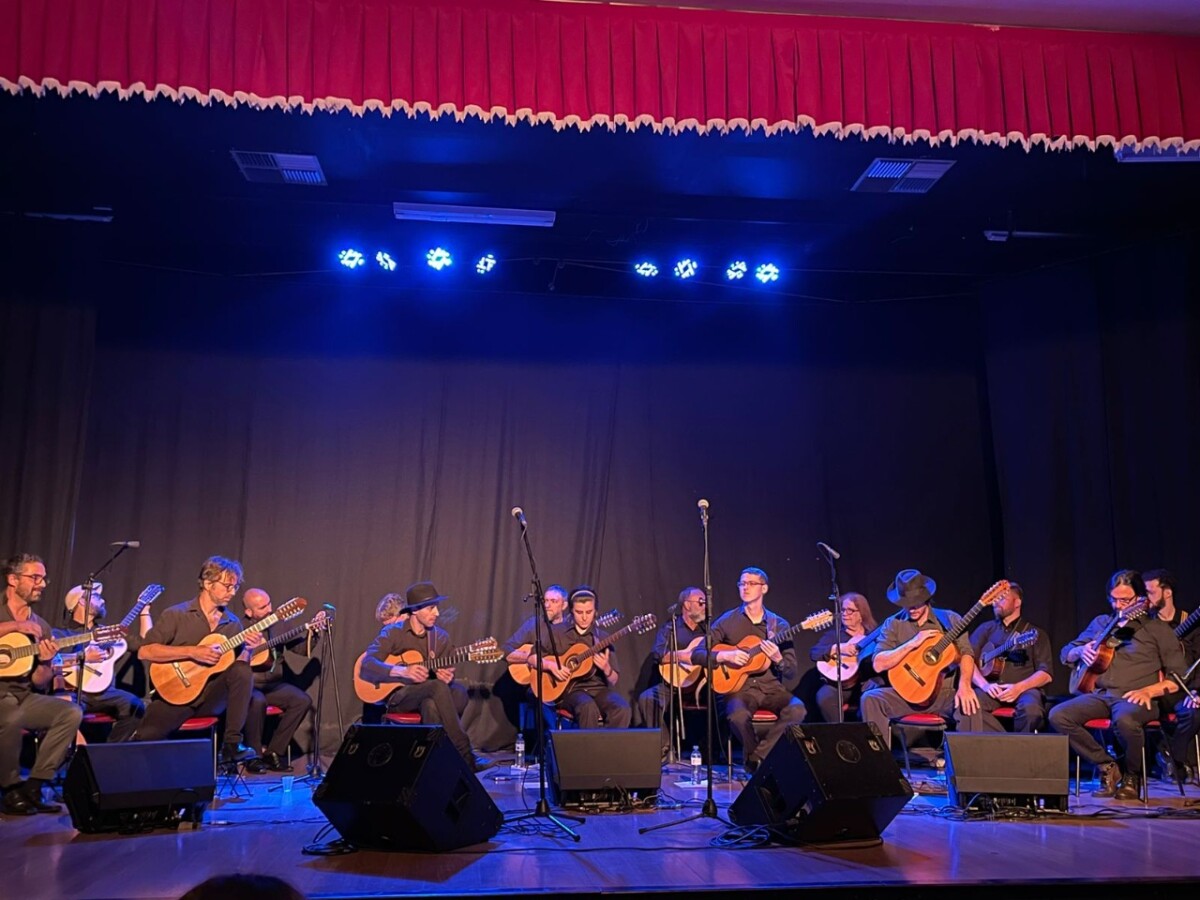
(434, 700)
(588, 705)
(761, 693)
(229, 693)
(126, 709)
(295, 704)
(1128, 721)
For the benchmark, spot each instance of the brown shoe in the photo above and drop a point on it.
(1130, 788)
(1110, 777)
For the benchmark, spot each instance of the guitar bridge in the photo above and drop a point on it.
(917, 678)
(179, 672)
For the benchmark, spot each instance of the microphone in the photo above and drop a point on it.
(126, 545)
(673, 610)
(703, 506)
(519, 515)
(330, 607)
(824, 546)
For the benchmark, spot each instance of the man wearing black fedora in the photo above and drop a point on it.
(420, 689)
(913, 592)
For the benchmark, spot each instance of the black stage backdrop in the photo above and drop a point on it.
(343, 443)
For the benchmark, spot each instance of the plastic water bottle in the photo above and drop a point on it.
(520, 748)
(696, 762)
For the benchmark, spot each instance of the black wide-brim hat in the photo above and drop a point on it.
(911, 588)
(420, 595)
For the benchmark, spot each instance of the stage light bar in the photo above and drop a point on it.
(767, 273)
(438, 259)
(646, 269)
(351, 258)
(737, 270)
(480, 215)
(486, 263)
(686, 268)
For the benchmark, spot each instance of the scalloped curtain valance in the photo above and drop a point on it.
(578, 64)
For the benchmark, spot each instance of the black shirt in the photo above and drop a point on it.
(1021, 663)
(396, 639)
(567, 636)
(186, 625)
(735, 625)
(1147, 648)
(23, 684)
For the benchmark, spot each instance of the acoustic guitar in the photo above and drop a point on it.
(728, 678)
(579, 659)
(1083, 676)
(992, 658)
(180, 683)
(98, 675)
(1188, 625)
(846, 670)
(680, 674)
(368, 691)
(321, 621)
(918, 677)
(522, 673)
(18, 652)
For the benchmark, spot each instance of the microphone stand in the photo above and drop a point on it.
(834, 593)
(674, 708)
(315, 771)
(709, 809)
(542, 809)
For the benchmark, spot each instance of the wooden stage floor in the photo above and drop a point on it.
(925, 853)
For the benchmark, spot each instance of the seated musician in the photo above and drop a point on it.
(1160, 591)
(519, 648)
(1023, 671)
(83, 613)
(913, 592)
(673, 643)
(271, 689)
(1127, 692)
(857, 622)
(176, 637)
(390, 610)
(418, 689)
(21, 706)
(764, 690)
(591, 699)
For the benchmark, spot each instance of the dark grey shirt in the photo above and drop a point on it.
(900, 629)
(1021, 663)
(735, 625)
(22, 684)
(185, 625)
(1147, 648)
(396, 639)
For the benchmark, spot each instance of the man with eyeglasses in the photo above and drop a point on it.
(766, 689)
(176, 637)
(20, 705)
(687, 623)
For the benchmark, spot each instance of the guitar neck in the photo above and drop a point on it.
(1184, 628)
(449, 660)
(240, 638)
(953, 634)
(287, 636)
(603, 644)
(71, 640)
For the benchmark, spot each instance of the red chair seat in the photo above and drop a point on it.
(97, 719)
(1004, 712)
(199, 723)
(920, 720)
(764, 715)
(403, 718)
(1098, 724)
(274, 711)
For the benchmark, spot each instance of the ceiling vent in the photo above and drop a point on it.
(279, 168)
(901, 176)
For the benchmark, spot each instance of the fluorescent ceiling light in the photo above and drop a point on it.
(480, 215)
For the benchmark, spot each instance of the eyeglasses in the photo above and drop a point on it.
(36, 579)
(232, 587)
(743, 584)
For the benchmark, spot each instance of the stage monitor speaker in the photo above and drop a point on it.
(604, 766)
(139, 786)
(825, 784)
(1007, 770)
(405, 787)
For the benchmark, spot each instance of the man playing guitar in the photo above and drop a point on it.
(176, 637)
(1126, 692)
(82, 614)
(270, 689)
(764, 690)
(1023, 672)
(913, 593)
(1160, 591)
(24, 578)
(417, 688)
(592, 696)
(689, 630)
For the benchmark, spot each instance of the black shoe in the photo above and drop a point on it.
(275, 762)
(1110, 777)
(482, 762)
(257, 766)
(15, 803)
(235, 753)
(1129, 789)
(32, 789)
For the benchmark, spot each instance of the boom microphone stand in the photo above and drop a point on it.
(831, 556)
(542, 810)
(315, 771)
(709, 809)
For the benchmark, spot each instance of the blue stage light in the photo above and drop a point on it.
(486, 263)
(686, 268)
(385, 261)
(767, 272)
(737, 270)
(646, 269)
(439, 258)
(351, 259)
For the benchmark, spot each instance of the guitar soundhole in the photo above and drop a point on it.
(5, 658)
(932, 657)
(572, 664)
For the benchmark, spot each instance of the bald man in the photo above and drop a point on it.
(270, 689)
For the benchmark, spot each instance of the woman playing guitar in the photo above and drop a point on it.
(846, 656)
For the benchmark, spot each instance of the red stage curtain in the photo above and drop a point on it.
(582, 64)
